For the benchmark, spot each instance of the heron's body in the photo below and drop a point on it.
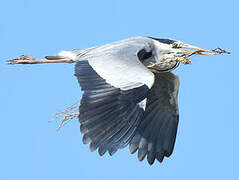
(124, 102)
(137, 46)
(130, 95)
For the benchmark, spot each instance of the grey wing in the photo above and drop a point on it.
(114, 84)
(155, 136)
(119, 65)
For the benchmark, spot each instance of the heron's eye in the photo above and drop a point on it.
(176, 45)
(143, 54)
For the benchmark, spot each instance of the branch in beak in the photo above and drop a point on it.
(200, 51)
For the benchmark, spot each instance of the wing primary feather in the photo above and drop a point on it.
(134, 143)
(109, 110)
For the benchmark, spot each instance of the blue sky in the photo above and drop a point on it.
(31, 149)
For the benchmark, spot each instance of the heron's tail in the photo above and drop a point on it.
(63, 55)
(74, 55)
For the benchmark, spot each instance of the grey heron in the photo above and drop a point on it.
(130, 93)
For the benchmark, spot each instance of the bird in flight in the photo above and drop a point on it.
(130, 93)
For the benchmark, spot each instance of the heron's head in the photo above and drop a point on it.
(169, 48)
(168, 53)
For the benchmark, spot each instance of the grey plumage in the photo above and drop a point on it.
(130, 96)
(107, 117)
(158, 128)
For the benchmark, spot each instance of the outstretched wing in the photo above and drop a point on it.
(114, 84)
(156, 133)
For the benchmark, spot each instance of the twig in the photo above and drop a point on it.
(184, 59)
(220, 51)
(67, 115)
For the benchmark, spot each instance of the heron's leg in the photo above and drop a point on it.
(30, 60)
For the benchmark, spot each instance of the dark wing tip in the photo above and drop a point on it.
(160, 157)
(156, 134)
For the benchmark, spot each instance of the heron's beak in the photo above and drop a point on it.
(190, 49)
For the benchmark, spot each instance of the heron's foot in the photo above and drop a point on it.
(25, 57)
(22, 59)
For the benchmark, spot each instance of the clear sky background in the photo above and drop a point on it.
(207, 142)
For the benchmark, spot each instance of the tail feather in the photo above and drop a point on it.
(63, 55)
(74, 55)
